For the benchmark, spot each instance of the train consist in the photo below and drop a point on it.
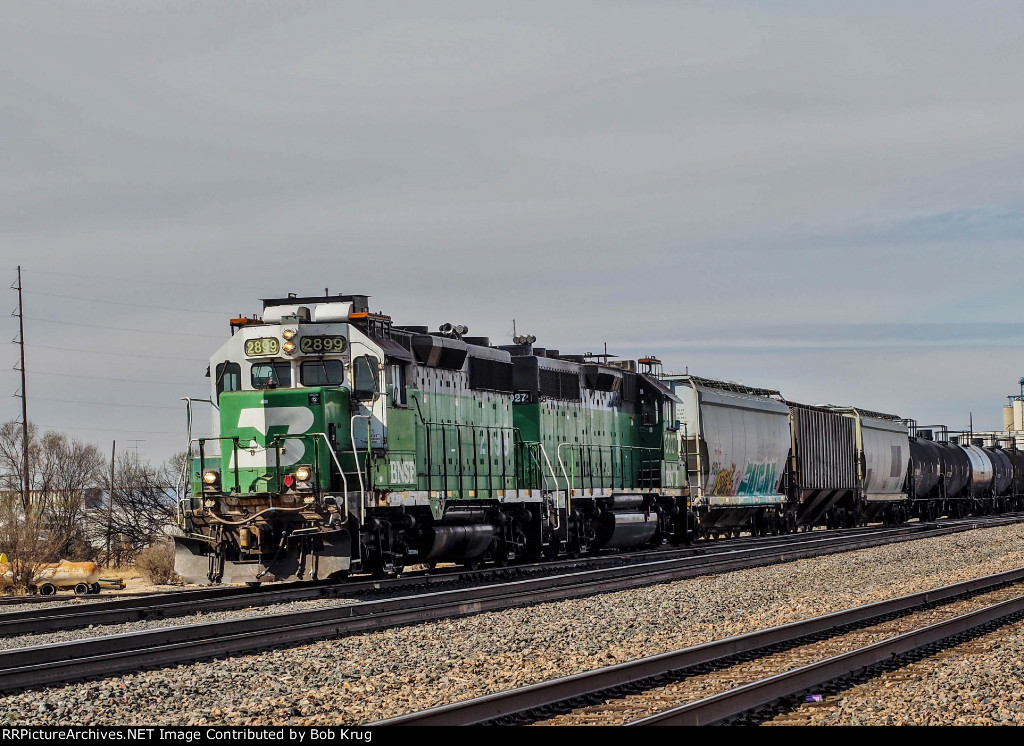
(343, 443)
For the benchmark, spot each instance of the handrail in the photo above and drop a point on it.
(554, 478)
(234, 456)
(636, 462)
(186, 465)
(492, 479)
(355, 455)
(334, 456)
(568, 484)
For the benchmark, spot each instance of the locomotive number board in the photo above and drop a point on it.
(323, 344)
(262, 346)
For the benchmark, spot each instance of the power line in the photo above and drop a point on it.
(105, 404)
(121, 354)
(123, 279)
(119, 380)
(110, 430)
(132, 305)
(124, 329)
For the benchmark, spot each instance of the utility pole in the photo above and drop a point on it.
(25, 482)
(110, 499)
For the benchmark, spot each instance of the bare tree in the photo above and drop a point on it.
(47, 524)
(68, 468)
(141, 509)
(25, 540)
(175, 473)
(12, 464)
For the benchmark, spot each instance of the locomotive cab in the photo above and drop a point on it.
(299, 405)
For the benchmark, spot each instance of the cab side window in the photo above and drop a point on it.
(229, 377)
(396, 379)
(365, 381)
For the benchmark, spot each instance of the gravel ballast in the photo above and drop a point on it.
(367, 677)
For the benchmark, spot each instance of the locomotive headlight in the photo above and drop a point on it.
(288, 346)
(288, 334)
(211, 480)
(303, 475)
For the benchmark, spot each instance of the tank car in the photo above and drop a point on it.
(345, 443)
(925, 484)
(1016, 494)
(981, 483)
(956, 469)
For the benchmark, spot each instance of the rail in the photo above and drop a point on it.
(594, 685)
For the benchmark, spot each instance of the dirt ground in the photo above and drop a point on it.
(135, 583)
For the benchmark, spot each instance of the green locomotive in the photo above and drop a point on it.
(343, 443)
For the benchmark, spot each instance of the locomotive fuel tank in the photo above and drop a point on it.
(624, 523)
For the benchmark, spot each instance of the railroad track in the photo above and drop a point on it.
(119, 653)
(749, 677)
(718, 556)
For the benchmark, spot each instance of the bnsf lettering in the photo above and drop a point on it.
(403, 472)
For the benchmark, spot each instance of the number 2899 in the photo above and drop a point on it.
(322, 344)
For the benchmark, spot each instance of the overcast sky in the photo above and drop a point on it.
(824, 198)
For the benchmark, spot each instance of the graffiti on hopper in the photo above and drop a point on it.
(756, 479)
(723, 480)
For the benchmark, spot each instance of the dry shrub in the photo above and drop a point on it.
(156, 563)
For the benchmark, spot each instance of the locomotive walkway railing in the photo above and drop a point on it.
(627, 467)
(506, 456)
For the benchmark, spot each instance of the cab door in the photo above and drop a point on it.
(369, 402)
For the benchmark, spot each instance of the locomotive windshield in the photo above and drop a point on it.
(322, 373)
(271, 375)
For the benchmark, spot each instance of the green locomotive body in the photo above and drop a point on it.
(344, 443)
